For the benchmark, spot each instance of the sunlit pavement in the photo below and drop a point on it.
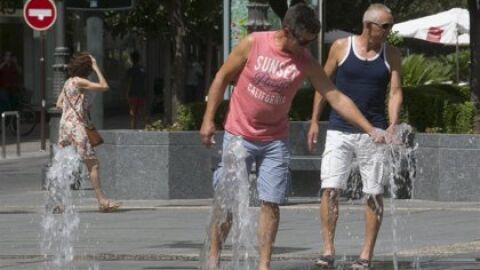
(168, 234)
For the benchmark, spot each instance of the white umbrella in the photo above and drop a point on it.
(444, 27)
(451, 27)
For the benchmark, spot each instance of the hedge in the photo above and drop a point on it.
(428, 108)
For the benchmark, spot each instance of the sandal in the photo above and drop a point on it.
(325, 261)
(361, 264)
(109, 206)
(58, 209)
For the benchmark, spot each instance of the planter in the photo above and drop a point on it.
(448, 167)
(136, 164)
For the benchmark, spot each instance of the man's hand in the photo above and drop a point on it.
(377, 135)
(391, 136)
(207, 132)
(312, 136)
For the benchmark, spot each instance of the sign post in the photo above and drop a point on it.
(40, 15)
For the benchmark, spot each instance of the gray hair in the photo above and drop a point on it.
(370, 14)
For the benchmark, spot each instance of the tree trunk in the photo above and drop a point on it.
(208, 63)
(167, 83)
(474, 8)
(179, 60)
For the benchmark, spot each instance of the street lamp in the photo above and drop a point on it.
(61, 54)
(257, 16)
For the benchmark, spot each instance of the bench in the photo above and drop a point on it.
(304, 165)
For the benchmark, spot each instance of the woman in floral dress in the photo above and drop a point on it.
(74, 104)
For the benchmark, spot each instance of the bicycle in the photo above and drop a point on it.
(21, 102)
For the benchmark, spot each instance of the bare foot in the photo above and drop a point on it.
(108, 205)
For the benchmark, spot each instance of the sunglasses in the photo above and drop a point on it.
(300, 41)
(384, 26)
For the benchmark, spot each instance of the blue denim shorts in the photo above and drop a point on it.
(272, 159)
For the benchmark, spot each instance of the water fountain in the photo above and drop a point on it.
(60, 218)
(231, 199)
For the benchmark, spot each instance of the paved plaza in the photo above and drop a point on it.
(168, 234)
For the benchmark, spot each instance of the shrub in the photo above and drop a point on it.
(438, 108)
(190, 116)
(419, 70)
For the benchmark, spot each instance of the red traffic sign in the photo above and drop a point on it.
(40, 14)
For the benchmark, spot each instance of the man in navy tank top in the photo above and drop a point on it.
(364, 66)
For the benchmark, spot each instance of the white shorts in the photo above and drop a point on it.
(344, 150)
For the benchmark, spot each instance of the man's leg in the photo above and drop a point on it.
(219, 228)
(329, 215)
(373, 220)
(371, 164)
(336, 166)
(133, 116)
(266, 232)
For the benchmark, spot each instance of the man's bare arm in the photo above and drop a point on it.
(334, 57)
(396, 93)
(227, 73)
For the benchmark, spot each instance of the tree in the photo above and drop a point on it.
(474, 9)
(179, 21)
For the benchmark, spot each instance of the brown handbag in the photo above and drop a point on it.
(94, 137)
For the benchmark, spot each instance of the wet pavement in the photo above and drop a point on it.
(168, 234)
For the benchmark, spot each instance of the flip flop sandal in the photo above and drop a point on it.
(361, 264)
(325, 261)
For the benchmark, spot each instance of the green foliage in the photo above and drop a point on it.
(190, 116)
(418, 70)
(438, 108)
(463, 64)
(458, 117)
(394, 39)
(151, 18)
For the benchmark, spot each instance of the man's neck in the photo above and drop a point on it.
(365, 42)
(280, 42)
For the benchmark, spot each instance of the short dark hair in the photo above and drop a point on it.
(301, 18)
(135, 56)
(80, 65)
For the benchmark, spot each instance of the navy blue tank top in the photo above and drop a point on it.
(365, 82)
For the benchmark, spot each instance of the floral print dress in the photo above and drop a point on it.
(72, 127)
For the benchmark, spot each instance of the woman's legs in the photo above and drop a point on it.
(103, 203)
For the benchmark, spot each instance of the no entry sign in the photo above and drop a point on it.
(40, 14)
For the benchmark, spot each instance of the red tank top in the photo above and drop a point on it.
(265, 89)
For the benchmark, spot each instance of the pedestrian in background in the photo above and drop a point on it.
(135, 90)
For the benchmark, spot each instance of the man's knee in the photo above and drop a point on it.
(375, 202)
(331, 193)
(274, 208)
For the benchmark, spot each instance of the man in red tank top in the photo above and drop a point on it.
(268, 68)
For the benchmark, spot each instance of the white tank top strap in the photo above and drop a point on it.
(384, 50)
(347, 51)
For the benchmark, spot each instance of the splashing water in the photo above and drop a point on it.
(60, 218)
(400, 164)
(231, 200)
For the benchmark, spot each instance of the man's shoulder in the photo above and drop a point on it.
(340, 44)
